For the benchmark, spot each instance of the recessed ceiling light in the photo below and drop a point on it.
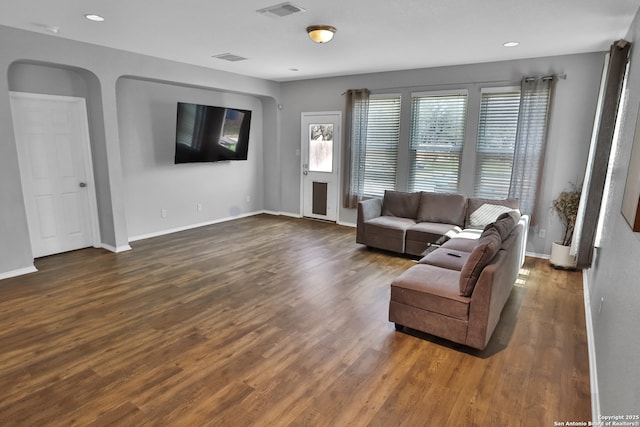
(510, 44)
(94, 17)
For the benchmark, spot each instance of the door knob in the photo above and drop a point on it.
(83, 184)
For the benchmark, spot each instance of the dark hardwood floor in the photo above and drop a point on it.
(273, 321)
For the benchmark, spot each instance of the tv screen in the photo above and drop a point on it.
(206, 133)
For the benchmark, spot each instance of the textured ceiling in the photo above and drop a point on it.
(372, 35)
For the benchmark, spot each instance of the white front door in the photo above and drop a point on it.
(54, 155)
(320, 155)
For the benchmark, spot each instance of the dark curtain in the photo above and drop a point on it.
(594, 182)
(355, 137)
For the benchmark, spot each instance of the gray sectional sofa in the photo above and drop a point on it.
(472, 258)
(411, 222)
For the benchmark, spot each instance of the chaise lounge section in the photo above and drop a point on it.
(458, 291)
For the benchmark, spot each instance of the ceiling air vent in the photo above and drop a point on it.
(229, 57)
(281, 10)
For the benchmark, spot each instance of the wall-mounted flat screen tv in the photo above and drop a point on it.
(206, 133)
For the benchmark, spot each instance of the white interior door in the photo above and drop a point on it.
(320, 155)
(54, 155)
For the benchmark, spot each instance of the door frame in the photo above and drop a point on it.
(337, 153)
(85, 143)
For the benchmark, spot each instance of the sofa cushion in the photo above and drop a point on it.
(432, 232)
(481, 212)
(446, 258)
(486, 248)
(387, 232)
(447, 208)
(461, 244)
(400, 204)
(464, 241)
(431, 288)
(505, 223)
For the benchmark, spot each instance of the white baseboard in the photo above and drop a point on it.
(191, 226)
(289, 214)
(593, 371)
(295, 215)
(347, 224)
(114, 249)
(18, 272)
(537, 255)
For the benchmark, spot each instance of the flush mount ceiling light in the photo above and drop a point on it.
(94, 17)
(321, 33)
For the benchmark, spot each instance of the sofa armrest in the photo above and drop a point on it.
(490, 296)
(370, 208)
(367, 210)
(524, 221)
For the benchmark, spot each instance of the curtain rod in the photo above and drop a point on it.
(548, 77)
(505, 82)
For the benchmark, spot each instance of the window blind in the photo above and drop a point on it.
(496, 143)
(381, 151)
(436, 140)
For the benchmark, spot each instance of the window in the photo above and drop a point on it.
(381, 148)
(436, 140)
(496, 143)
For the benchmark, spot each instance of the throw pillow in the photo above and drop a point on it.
(505, 223)
(486, 214)
(487, 247)
(474, 203)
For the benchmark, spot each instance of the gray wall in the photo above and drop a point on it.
(24, 76)
(569, 134)
(146, 120)
(614, 284)
(47, 64)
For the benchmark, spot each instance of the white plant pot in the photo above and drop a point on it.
(560, 256)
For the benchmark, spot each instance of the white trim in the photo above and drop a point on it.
(537, 255)
(440, 93)
(114, 249)
(499, 89)
(278, 213)
(18, 272)
(289, 214)
(593, 371)
(386, 95)
(191, 226)
(347, 224)
(337, 156)
(92, 197)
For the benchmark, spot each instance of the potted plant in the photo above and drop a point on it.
(566, 207)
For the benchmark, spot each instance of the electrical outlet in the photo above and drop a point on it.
(199, 207)
(163, 213)
(542, 233)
